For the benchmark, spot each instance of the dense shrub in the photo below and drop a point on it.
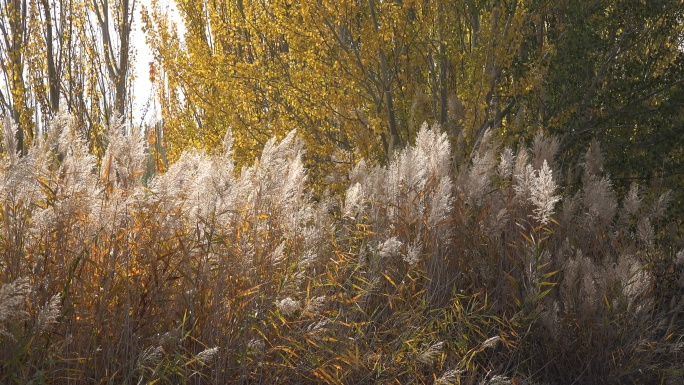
(429, 269)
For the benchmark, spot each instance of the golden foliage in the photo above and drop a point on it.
(356, 78)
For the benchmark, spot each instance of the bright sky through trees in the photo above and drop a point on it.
(143, 106)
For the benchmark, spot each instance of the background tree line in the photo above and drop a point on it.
(358, 77)
(73, 55)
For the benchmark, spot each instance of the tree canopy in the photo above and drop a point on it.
(358, 77)
(71, 55)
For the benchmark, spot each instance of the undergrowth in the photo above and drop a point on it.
(433, 269)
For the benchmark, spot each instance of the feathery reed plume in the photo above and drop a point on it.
(441, 202)
(125, 158)
(48, 314)
(500, 380)
(635, 279)
(77, 178)
(544, 149)
(660, 206)
(353, 201)
(490, 342)
(390, 248)
(506, 163)
(599, 199)
(414, 188)
(151, 356)
(632, 202)
(476, 179)
(288, 306)
(207, 356)
(524, 181)
(9, 132)
(542, 193)
(317, 329)
(449, 377)
(59, 123)
(315, 305)
(645, 232)
(522, 159)
(12, 300)
(413, 254)
(256, 345)
(431, 353)
(228, 142)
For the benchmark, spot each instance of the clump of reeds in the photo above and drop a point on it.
(429, 269)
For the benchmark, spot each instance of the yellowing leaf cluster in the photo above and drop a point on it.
(356, 78)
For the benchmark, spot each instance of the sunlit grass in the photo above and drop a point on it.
(428, 270)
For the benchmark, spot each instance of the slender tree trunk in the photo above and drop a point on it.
(443, 63)
(53, 79)
(116, 61)
(15, 39)
(124, 51)
(386, 81)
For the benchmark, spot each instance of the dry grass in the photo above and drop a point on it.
(428, 270)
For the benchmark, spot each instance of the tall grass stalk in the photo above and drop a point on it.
(428, 269)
